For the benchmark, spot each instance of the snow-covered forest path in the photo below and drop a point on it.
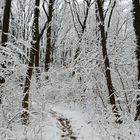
(72, 126)
(65, 126)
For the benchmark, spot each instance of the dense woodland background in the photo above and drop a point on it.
(77, 54)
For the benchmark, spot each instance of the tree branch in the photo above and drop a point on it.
(110, 17)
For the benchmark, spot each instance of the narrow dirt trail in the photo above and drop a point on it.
(64, 124)
(73, 124)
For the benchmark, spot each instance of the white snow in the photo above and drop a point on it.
(81, 129)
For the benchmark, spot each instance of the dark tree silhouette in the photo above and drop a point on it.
(136, 24)
(103, 35)
(34, 43)
(6, 19)
(5, 30)
(49, 34)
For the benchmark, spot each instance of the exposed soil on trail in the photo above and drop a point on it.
(65, 126)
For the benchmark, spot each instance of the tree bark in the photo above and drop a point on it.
(49, 35)
(6, 19)
(136, 24)
(34, 43)
(110, 87)
(5, 30)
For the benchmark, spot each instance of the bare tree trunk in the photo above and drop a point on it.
(5, 30)
(37, 35)
(110, 87)
(34, 43)
(6, 19)
(49, 35)
(136, 24)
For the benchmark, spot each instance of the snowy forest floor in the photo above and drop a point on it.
(73, 126)
(57, 123)
(58, 111)
(62, 123)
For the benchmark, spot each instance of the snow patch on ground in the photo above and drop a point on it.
(82, 130)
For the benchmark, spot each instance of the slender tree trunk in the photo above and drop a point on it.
(37, 44)
(136, 24)
(49, 36)
(37, 55)
(106, 59)
(5, 30)
(6, 19)
(34, 43)
(97, 21)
